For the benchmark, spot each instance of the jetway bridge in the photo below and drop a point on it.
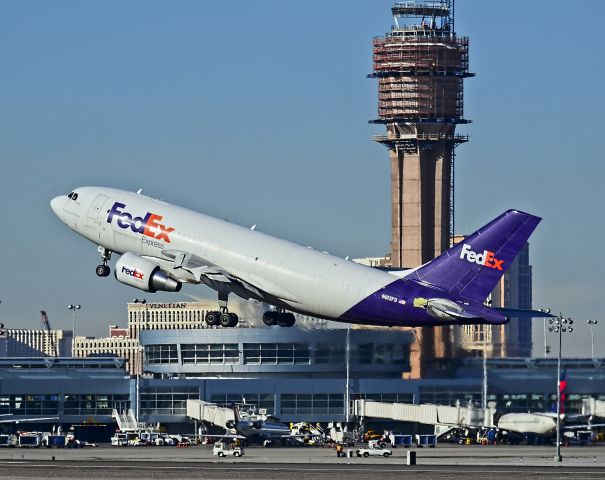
(594, 407)
(210, 412)
(458, 416)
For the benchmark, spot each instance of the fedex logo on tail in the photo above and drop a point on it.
(486, 258)
(148, 225)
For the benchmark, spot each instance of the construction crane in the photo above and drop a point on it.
(46, 325)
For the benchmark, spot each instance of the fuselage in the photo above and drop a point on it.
(286, 274)
(532, 423)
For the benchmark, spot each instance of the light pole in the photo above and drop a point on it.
(140, 352)
(4, 336)
(73, 309)
(592, 323)
(484, 389)
(348, 366)
(546, 347)
(142, 301)
(560, 326)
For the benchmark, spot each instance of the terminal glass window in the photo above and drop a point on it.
(167, 400)
(312, 404)
(329, 353)
(513, 402)
(161, 354)
(257, 400)
(385, 397)
(276, 353)
(29, 404)
(441, 396)
(96, 404)
(210, 354)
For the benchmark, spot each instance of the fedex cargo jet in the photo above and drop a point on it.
(162, 246)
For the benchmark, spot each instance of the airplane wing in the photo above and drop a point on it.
(32, 419)
(583, 426)
(189, 267)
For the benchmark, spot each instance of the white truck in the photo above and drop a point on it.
(374, 449)
(223, 449)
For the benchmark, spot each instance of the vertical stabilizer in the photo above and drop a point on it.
(472, 268)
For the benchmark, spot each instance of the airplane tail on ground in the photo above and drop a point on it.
(472, 268)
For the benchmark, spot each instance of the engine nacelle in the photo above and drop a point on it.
(144, 274)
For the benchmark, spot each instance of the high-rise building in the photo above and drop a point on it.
(25, 342)
(165, 316)
(124, 342)
(513, 339)
(118, 344)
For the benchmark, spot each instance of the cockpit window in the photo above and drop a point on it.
(73, 195)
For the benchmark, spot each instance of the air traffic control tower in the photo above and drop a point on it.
(420, 66)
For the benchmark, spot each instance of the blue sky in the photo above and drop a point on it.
(257, 112)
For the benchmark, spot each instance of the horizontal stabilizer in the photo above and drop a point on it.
(519, 313)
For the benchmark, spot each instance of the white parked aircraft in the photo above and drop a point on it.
(163, 246)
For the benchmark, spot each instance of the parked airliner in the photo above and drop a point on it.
(162, 246)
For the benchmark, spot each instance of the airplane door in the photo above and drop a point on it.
(96, 206)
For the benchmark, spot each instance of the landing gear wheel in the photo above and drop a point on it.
(270, 318)
(286, 319)
(103, 270)
(234, 320)
(225, 319)
(212, 318)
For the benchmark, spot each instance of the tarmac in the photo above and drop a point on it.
(445, 461)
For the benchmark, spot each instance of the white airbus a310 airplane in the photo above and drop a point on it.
(162, 246)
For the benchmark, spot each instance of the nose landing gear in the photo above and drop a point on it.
(103, 270)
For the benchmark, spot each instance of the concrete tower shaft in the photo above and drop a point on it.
(420, 68)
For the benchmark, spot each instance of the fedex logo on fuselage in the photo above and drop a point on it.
(486, 258)
(148, 225)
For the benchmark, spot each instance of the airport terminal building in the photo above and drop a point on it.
(296, 374)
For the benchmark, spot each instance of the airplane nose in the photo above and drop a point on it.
(57, 204)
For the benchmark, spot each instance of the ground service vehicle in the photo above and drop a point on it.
(223, 449)
(30, 440)
(373, 450)
(49, 440)
(426, 441)
(8, 441)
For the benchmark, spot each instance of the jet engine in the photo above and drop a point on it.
(144, 274)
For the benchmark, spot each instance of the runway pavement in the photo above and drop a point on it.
(445, 461)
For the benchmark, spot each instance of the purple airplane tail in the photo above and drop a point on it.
(472, 268)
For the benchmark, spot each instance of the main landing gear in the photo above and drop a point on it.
(279, 317)
(103, 270)
(222, 317)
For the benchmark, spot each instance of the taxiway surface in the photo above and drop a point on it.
(445, 461)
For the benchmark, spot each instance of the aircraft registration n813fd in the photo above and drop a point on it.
(162, 246)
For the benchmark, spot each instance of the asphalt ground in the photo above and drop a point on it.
(445, 461)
